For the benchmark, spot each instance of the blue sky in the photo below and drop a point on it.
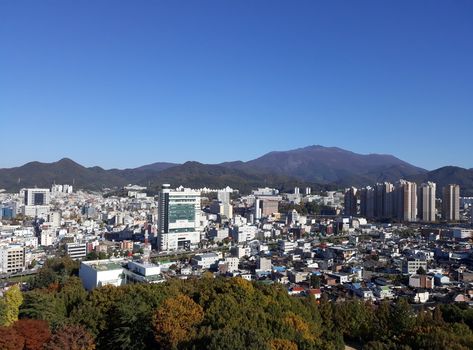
(126, 83)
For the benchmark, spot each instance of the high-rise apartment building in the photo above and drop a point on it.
(383, 197)
(367, 202)
(405, 200)
(350, 201)
(426, 205)
(451, 203)
(178, 218)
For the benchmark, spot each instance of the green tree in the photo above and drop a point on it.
(10, 305)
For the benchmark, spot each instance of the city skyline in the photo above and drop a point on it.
(119, 85)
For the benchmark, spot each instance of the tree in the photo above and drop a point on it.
(35, 332)
(421, 271)
(175, 321)
(282, 344)
(71, 337)
(43, 305)
(315, 281)
(72, 294)
(10, 339)
(10, 306)
(401, 318)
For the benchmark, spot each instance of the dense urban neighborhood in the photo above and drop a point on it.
(390, 243)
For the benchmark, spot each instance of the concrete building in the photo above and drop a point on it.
(232, 263)
(76, 250)
(421, 281)
(117, 272)
(36, 202)
(411, 266)
(367, 202)
(206, 260)
(266, 206)
(263, 264)
(178, 218)
(426, 205)
(350, 202)
(12, 258)
(406, 201)
(383, 197)
(47, 238)
(451, 203)
(462, 233)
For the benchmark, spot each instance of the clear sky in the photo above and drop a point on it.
(126, 83)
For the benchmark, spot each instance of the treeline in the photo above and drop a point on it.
(213, 313)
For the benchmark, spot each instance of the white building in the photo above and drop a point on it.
(244, 233)
(12, 258)
(76, 250)
(232, 263)
(426, 199)
(286, 246)
(206, 260)
(117, 272)
(47, 238)
(178, 218)
(263, 264)
(461, 233)
(36, 201)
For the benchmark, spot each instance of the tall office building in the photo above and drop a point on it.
(178, 218)
(367, 202)
(35, 196)
(383, 197)
(405, 201)
(225, 207)
(451, 203)
(36, 201)
(350, 201)
(426, 204)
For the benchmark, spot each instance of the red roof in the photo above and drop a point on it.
(314, 291)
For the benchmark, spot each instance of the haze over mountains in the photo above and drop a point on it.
(317, 166)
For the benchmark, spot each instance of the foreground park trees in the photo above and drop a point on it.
(217, 314)
(10, 306)
(25, 335)
(175, 321)
(71, 337)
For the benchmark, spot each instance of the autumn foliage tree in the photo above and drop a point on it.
(25, 335)
(10, 339)
(71, 337)
(175, 321)
(35, 332)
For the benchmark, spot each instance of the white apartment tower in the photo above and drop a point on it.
(406, 201)
(451, 203)
(427, 202)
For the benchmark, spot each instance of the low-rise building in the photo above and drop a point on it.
(12, 258)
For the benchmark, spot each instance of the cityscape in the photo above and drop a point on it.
(233, 175)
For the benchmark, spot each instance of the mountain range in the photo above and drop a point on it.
(316, 166)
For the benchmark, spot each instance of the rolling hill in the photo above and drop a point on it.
(326, 165)
(315, 166)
